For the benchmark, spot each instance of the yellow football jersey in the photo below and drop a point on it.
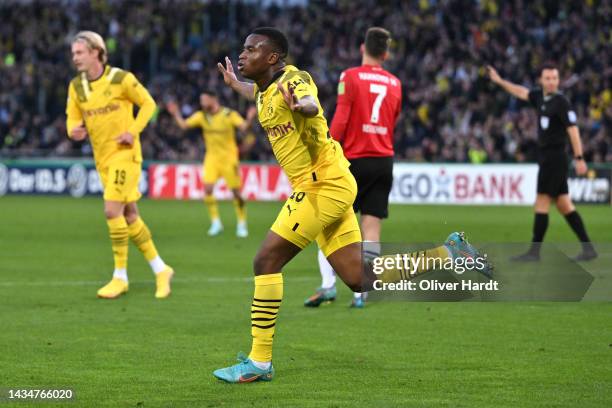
(301, 145)
(219, 132)
(106, 107)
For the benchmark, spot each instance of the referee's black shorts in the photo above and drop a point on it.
(374, 176)
(552, 173)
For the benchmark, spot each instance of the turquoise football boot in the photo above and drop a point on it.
(244, 372)
(359, 302)
(459, 247)
(321, 296)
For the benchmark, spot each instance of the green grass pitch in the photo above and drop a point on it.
(137, 351)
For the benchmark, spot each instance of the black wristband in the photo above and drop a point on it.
(578, 158)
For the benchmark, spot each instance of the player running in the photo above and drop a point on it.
(556, 124)
(219, 124)
(100, 106)
(321, 206)
(368, 105)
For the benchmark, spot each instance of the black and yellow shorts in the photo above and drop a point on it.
(323, 212)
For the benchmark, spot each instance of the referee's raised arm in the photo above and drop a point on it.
(517, 91)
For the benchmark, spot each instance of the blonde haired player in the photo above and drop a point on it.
(219, 124)
(100, 106)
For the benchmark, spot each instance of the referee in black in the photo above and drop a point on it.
(556, 123)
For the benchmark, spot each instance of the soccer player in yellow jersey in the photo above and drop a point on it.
(320, 207)
(219, 125)
(100, 106)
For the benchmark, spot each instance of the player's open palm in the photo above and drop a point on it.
(493, 75)
(228, 71)
(290, 98)
(172, 107)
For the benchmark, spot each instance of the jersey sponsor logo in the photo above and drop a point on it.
(377, 130)
(544, 122)
(110, 108)
(571, 116)
(280, 130)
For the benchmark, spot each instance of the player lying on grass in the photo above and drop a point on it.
(320, 207)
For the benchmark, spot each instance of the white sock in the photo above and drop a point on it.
(157, 264)
(262, 365)
(242, 224)
(328, 276)
(120, 273)
(357, 295)
(371, 249)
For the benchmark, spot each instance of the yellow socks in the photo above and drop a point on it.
(141, 237)
(239, 206)
(407, 266)
(118, 231)
(213, 208)
(266, 303)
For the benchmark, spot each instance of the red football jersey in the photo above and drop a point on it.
(369, 102)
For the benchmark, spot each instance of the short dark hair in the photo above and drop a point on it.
(547, 65)
(377, 41)
(277, 39)
(209, 92)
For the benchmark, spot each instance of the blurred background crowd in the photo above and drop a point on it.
(451, 112)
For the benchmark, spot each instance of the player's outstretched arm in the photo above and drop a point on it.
(173, 109)
(245, 89)
(306, 105)
(245, 125)
(517, 91)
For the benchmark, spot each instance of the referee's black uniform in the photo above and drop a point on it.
(555, 116)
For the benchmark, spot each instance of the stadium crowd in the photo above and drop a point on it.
(452, 113)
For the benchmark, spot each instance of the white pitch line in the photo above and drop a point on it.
(212, 279)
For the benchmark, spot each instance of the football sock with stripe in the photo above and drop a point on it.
(141, 237)
(413, 264)
(264, 310)
(118, 232)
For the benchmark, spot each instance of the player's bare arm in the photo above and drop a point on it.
(245, 89)
(515, 90)
(574, 136)
(306, 105)
(173, 109)
(250, 118)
